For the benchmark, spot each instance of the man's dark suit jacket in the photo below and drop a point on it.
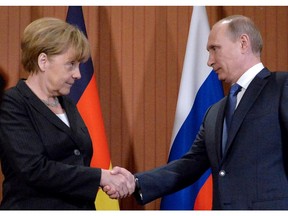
(45, 163)
(253, 172)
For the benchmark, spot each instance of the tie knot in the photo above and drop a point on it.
(235, 89)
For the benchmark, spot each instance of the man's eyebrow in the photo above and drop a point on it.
(212, 46)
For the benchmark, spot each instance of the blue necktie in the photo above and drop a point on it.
(231, 104)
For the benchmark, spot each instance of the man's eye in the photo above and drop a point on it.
(212, 48)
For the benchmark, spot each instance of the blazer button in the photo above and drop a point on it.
(222, 173)
(76, 152)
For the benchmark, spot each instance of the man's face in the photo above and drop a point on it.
(224, 54)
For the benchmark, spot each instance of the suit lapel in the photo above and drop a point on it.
(247, 101)
(46, 112)
(72, 116)
(219, 128)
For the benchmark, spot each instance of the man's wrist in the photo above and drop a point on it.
(138, 191)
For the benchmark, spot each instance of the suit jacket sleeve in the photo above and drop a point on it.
(176, 175)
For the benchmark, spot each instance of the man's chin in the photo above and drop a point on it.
(221, 78)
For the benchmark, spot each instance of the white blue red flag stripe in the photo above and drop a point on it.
(199, 89)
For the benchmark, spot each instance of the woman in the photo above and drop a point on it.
(45, 146)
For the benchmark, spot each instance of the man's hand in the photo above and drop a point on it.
(117, 183)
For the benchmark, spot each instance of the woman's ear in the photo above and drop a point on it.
(42, 61)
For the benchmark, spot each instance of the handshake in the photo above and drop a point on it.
(117, 183)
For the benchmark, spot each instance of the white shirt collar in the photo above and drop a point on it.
(249, 75)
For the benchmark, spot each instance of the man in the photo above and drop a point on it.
(248, 155)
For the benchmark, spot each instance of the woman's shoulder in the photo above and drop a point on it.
(15, 94)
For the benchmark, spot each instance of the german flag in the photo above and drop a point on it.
(85, 94)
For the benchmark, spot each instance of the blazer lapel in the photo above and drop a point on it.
(42, 108)
(72, 116)
(247, 101)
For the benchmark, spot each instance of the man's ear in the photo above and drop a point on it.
(245, 41)
(42, 61)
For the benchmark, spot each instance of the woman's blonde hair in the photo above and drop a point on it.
(53, 37)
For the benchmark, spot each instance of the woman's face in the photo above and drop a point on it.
(60, 73)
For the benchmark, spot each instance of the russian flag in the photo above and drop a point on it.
(199, 89)
(85, 94)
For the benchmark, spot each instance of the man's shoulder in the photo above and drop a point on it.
(280, 76)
